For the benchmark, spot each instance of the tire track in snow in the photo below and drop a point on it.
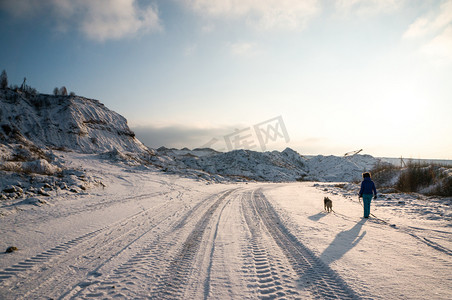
(142, 266)
(155, 267)
(271, 278)
(52, 253)
(84, 208)
(172, 282)
(56, 269)
(314, 275)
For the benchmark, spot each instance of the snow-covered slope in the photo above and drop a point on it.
(336, 168)
(69, 122)
(172, 152)
(87, 126)
(96, 222)
(151, 235)
(275, 166)
(266, 166)
(34, 127)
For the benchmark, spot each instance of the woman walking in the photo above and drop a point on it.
(367, 191)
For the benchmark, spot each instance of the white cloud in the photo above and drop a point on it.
(440, 47)
(263, 14)
(434, 30)
(114, 19)
(179, 136)
(98, 20)
(367, 7)
(431, 23)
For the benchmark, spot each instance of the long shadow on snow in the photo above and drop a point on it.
(317, 216)
(314, 273)
(343, 242)
(318, 275)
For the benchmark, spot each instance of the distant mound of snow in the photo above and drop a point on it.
(176, 153)
(266, 166)
(274, 166)
(336, 168)
(32, 125)
(64, 122)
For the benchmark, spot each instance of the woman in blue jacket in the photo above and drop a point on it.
(367, 191)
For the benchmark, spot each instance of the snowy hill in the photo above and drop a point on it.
(275, 166)
(151, 235)
(113, 219)
(47, 122)
(64, 122)
(267, 166)
(336, 168)
(36, 129)
(172, 152)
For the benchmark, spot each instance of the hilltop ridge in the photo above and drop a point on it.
(64, 122)
(43, 123)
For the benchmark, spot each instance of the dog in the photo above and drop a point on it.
(328, 204)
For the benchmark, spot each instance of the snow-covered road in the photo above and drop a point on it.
(149, 235)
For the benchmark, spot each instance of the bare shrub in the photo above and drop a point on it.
(427, 178)
(444, 188)
(415, 177)
(63, 91)
(419, 176)
(383, 174)
(3, 80)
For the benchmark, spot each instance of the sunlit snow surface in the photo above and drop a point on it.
(149, 234)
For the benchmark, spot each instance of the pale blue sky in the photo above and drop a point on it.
(343, 75)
